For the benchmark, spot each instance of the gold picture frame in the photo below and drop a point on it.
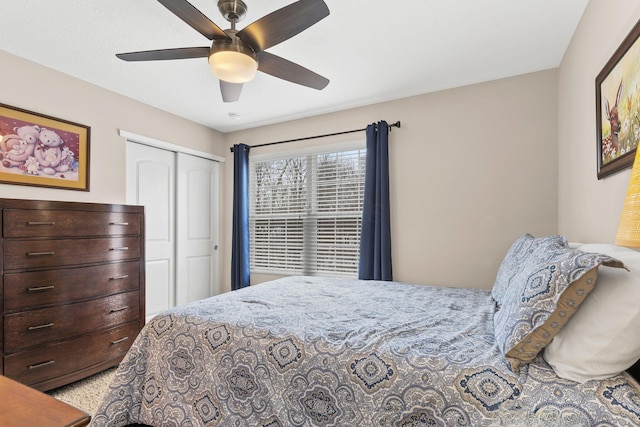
(44, 151)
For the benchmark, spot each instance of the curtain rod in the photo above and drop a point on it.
(393, 125)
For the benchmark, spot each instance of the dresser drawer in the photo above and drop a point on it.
(49, 361)
(34, 327)
(62, 286)
(21, 254)
(60, 223)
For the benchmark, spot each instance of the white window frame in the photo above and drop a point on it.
(315, 150)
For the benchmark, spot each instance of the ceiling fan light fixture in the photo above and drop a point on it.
(233, 66)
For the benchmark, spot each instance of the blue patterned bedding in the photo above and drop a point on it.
(307, 351)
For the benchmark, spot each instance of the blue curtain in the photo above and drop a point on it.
(375, 237)
(240, 273)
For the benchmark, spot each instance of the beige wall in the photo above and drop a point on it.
(471, 169)
(36, 88)
(589, 209)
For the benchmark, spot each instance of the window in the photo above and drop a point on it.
(306, 212)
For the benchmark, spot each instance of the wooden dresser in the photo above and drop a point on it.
(72, 294)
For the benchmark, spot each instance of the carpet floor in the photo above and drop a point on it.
(85, 394)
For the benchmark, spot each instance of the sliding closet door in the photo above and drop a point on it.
(180, 194)
(196, 222)
(151, 183)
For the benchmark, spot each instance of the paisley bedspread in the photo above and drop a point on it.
(308, 351)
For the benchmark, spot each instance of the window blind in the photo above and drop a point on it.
(306, 212)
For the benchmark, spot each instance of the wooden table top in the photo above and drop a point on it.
(24, 406)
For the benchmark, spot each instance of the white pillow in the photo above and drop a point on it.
(602, 338)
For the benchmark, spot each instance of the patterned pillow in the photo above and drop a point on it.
(542, 296)
(516, 256)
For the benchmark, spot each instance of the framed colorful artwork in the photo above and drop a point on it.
(618, 107)
(41, 150)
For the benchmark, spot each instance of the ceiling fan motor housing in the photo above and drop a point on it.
(233, 45)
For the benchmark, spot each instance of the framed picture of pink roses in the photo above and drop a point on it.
(36, 149)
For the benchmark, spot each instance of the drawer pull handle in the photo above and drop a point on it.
(40, 288)
(40, 365)
(41, 223)
(123, 248)
(120, 277)
(119, 341)
(35, 328)
(115, 310)
(119, 223)
(40, 253)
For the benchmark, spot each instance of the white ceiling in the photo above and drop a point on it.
(371, 50)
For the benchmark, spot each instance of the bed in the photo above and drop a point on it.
(309, 351)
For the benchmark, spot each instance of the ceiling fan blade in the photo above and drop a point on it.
(162, 54)
(283, 24)
(196, 19)
(287, 70)
(230, 91)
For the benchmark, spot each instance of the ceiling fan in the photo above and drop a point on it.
(235, 56)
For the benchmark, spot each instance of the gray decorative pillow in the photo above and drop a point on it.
(515, 258)
(542, 297)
